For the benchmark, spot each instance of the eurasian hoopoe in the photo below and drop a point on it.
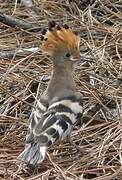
(60, 107)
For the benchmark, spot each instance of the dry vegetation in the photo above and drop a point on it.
(99, 76)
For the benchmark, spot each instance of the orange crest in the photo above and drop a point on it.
(60, 38)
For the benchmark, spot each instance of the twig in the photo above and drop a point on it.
(15, 97)
(17, 53)
(57, 167)
(15, 22)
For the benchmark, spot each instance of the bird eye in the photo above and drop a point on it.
(68, 54)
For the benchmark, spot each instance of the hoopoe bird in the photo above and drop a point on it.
(61, 105)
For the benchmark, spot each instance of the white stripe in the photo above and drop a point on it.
(42, 151)
(64, 102)
(41, 106)
(38, 113)
(66, 132)
(30, 125)
(34, 129)
(62, 134)
(58, 128)
(71, 116)
(35, 117)
(45, 121)
(74, 106)
(26, 148)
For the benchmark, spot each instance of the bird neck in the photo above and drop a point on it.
(61, 80)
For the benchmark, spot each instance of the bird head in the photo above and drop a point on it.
(61, 43)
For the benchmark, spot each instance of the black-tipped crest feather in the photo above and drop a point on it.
(60, 37)
(51, 24)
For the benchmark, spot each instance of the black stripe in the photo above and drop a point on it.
(56, 136)
(80, 102)
(62, 108)
(49, 112)
(39, 128)
(49, 143)
(73, 98)
(79, 115)
(65, 118)
(43, 139)
(51, 131)
(63, 124)
(52, 119)
(29, 138)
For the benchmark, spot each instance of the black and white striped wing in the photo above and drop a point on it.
(55, 124)
(36, 116)
(38, 112)
(54, 128)
(58, 120)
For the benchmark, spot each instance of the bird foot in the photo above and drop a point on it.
(78, 148)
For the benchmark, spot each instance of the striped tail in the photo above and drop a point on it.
(33, 154)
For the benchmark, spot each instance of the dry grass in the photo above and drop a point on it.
(99, 79)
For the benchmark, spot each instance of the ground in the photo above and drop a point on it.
(24, 74)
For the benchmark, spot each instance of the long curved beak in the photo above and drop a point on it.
(86, 58)
(75, 59)
(83, 58)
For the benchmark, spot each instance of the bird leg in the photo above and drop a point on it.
(73, 144)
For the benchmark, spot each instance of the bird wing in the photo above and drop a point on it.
(55, 124)
(36, 117)
(53, 129)
(58, 120)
